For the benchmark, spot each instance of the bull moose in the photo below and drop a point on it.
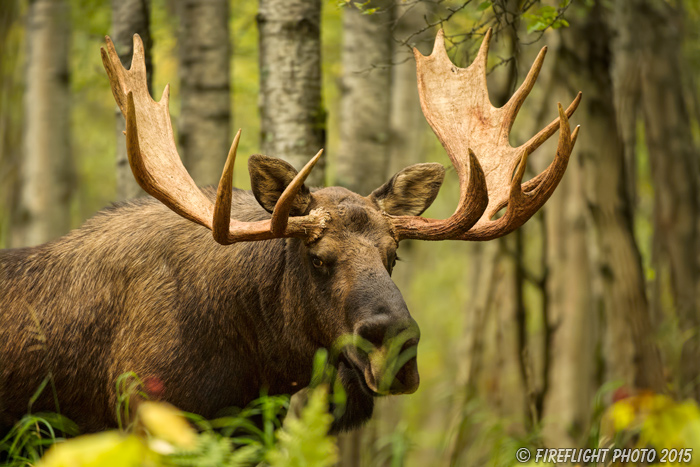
(143, 287)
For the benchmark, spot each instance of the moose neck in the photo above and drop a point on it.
(256, 299)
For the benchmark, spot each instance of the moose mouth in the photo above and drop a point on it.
(380, 377)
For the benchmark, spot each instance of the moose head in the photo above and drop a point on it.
(341, 246)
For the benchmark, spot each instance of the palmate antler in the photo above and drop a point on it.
(475, 134)
(158, 169)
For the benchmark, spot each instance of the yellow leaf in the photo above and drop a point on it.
(622, 415)
(165, 422)
(106, 449)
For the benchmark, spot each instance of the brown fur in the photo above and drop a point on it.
(140, 289)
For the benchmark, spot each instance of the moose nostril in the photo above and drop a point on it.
(413, 342)
(374, 333)
(379, 331)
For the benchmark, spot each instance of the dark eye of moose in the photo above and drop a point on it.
(393, 263)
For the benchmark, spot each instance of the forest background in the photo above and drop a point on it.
(596, 299)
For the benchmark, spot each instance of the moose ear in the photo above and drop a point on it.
(411, 191)
(269, 177)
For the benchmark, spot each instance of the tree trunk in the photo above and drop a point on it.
(129, 17)
(408, 126)
(674, 169)
(205, 115)
(46, 172)
(293, 120)
(11, 89)
(570, 312)
(568, 343)
(365, 103)
(631, 354)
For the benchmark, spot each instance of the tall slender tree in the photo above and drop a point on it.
(293, 119)
(571, 319)
(10, 115)
(408, 126)
(129, 17)
(205, 112)
(46, 171)
(631, 354)
(363, 156)
(569, 335)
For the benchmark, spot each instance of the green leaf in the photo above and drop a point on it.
(304, 441)
(483, 6)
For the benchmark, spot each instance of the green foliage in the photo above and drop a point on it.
(28, 440)
(483, 6)
(598, 411)
(128, 386)
(393, 448)
(362, 6)
(304, 441)
(546, 16)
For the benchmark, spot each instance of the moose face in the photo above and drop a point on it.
(346, 271)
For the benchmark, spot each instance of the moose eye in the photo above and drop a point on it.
(317, 262)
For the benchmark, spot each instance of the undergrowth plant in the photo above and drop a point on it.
(35, 433)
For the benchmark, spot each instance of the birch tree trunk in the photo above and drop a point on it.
(205, 115)
(129, 17)
(46, 171)
(293, 120)
(365, 103)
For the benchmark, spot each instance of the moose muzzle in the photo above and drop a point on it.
(385, 352)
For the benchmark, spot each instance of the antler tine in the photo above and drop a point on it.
(518, 98)
(280, 215)
(456, 104)
(138, 59)
(115, 73)
(482, 55)
(534, 182)
(545, 133)
(222, 207)
(158, 169)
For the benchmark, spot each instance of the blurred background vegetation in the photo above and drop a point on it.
(526, 339)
